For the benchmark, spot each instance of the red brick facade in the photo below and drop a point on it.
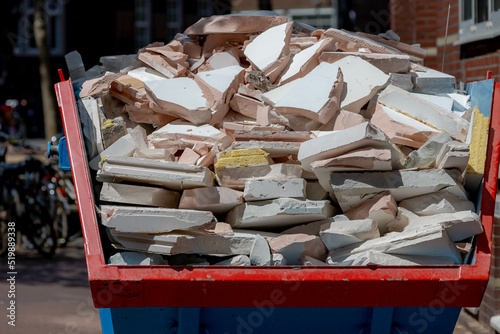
(424, 22)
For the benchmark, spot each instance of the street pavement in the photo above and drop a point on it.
(52, 295)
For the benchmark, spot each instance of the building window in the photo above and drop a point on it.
(24, 42)
(142, 31)
(479, 19)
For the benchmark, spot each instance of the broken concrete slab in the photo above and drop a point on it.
(361, 82)
(182, 97)
(188, 156)
(98, 86)
(429, 81)
(350, 42)
(275, 149)
(339, 234)
(306, 60)
(350, 189)
(364, 159)
(123, 147)
(238, 260)
(458, 225)
(218, 87)
(315, 227)
(260, 255)
(381, 208)
(278, 260)
(382, 259)
(219, 200)
(91, 117)
(275, 41)
(260, 190)
(430, 241)
(401, 221)
(425, 156)
(417, 53)
(437, 203)
(236, 177)
(315, 96)
(278, 212)
(387, 63)
(136, 259)
(453, 155)
(234, 24)
(176, 243)
(340, 142)
(167, 174)
(309, 261)
(295, 246)
(424, 111)
(179, 135)
(139, 195)
(130, 219)
(402, 81)
(401, 129)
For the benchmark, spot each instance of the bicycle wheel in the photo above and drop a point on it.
(61, 225)
(42, 233)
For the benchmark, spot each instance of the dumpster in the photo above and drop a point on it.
(297, 299)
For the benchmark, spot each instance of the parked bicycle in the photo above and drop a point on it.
(22, 202)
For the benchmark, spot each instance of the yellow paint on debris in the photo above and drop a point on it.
(479, 140)
(254, 156)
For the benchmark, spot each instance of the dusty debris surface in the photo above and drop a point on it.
(245, 141)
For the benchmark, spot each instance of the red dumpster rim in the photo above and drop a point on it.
(214, 286)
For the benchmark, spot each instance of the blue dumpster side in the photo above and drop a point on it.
(262, 319)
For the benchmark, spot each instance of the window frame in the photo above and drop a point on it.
(470, 31)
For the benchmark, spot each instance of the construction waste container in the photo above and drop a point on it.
(293, 299)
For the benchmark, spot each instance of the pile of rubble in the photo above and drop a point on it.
(250, 140)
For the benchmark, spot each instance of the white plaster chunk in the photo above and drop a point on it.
(458, 225)
(340, 142)
(179, 135)
(453, 155)
(136, 259)
(123, 147)
(437, 203)
(342, 233)
(382, 259)
(139, 195)
(315, 227)
(274, 148)
(237, 261)
(316, 96)
(260, 255)
(432, 82)
(401, 221)
(172, 244)
(218, 87)
(259, 190)
(387, 63)
(425, 156)
(295, 246)
(278, 212)
(219, 200)
(443, 101)
(167, 174)
(180, 96)
(428, 241)
(236, 177)
(361, 80)
(154, 153)
(269, 51)
(350, 189)
(88, 111)
(424, 111)
(303, 62)
(278, 260)
(401, 129)
(146, 74)
(222, 59)
(130, 219)
(381, 208)
(310, 261)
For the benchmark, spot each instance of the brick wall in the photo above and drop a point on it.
(424, 22)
